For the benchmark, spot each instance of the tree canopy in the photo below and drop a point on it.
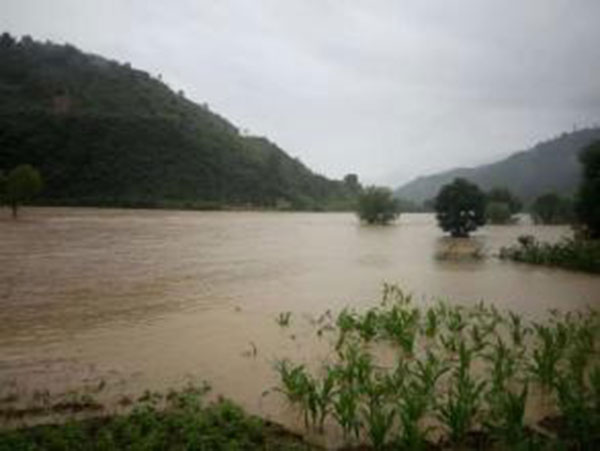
(21, 184)
(377, 205)
(104, 133)
(460, 207)
(588, 200)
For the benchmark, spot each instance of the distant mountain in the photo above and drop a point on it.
(103, 133)
(549, 166)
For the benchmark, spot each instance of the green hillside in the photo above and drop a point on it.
(103, 133)
(549, 166)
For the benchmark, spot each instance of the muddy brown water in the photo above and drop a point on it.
(154, 299)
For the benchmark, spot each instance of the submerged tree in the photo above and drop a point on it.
(460, 207)
(588, 199)
(377, 205)
(22, 183)
(498, 213)
(504, 195)
(501, 206)
(551, 208)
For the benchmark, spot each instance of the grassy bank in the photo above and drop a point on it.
(575, 254)
(179, 420)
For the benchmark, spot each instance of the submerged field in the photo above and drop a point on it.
(135, 300)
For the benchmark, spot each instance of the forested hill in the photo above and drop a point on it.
(550, 166)
(103, 133)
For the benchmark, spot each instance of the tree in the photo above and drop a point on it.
(351, 182)
(550, 208)
(460, 207)
(2, 188)
(498, 213)
(377, 205)
(503, 195)
(587, 204)
(501, 206)
(22, 183)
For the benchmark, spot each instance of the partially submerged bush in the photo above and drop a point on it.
(377, 205)
(570, 253)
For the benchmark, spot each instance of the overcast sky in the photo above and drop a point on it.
(386, 89)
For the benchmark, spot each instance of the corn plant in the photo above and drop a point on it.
(455, 320)
(578, 410)
(547, 355)
(298, 388)
(345, 410)
(378, 415)
(400, 326)
(463, 400)
(346, 323)
(503, 364)
(432, 323)
(416, 396)
(507, 413)
(356, 365)
(323, 393)
(367, 325)
(517, 331)
(595, 389)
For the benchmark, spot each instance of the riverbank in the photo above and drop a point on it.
(173, 421)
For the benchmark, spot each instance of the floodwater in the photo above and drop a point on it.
(153, 299)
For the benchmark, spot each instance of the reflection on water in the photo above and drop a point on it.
(149, 298)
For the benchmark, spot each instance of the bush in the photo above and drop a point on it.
(588, 199)
(569, 253)
(377, 205)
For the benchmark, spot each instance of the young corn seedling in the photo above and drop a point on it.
(324, 393)
(346, 323)
(284, 318)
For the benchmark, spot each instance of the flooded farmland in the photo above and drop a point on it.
(153, 299)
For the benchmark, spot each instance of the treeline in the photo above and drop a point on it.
(104, 134)
(502, 206)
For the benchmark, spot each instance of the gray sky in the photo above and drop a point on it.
(387, 89)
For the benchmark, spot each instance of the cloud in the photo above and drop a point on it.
(387, 89)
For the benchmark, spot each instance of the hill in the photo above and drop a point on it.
(104, 133)
(548, 166)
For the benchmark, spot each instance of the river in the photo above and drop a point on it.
(152, 299)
